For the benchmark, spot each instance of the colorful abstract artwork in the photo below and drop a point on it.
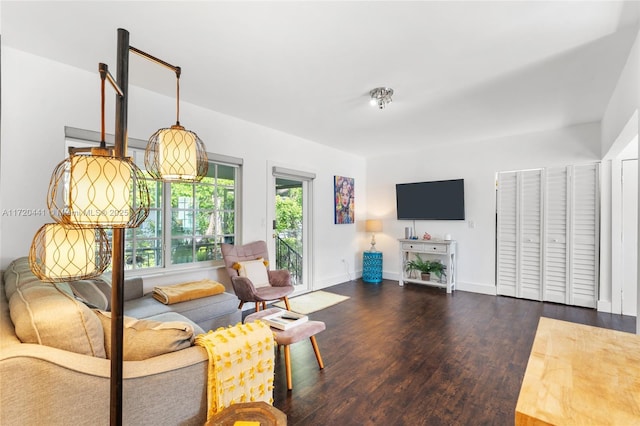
(344, 200)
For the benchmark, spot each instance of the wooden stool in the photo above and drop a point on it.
(259, 412)
(287, 337)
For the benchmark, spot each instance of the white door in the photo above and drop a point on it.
(584, 235)
(629, 237)
(519, 260)
(556, 256)
(531, 232)
(547, 234)
(507, 233)
(290, 225)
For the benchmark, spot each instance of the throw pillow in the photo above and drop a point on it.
(255, 270)
(47, 315)
(94, 293)
(146, 338)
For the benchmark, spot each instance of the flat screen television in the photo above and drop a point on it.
(435, 200)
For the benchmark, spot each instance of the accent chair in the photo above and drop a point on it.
(248, 268)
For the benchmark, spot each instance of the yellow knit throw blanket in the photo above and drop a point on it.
(186, 291)
(241, 365)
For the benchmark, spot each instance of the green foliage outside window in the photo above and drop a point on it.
(202, 215)
(289, 216)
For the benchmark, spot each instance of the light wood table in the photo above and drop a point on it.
(578, 374)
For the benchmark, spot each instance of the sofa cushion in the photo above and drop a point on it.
(174, 316)
(47, 315)
(147, 338)
(132, 287)
(18, 273)
(202, 311)
(96, 293)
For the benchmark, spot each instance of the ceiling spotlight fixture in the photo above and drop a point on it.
(381, 96)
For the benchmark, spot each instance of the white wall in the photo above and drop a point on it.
(40, 97)
(624, 100)
(477, 163)
(619, 126)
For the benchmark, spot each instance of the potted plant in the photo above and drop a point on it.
(438, 268)
(421, 265)
(426, 267)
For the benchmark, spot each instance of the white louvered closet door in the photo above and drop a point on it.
(547, 234)
(531, 232)
(584, 260)
(507, 235)
(556, 256)
(519, 265)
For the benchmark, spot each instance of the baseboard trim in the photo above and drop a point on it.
(477, 288)
(604, 306)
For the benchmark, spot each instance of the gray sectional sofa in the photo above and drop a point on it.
(54, 366)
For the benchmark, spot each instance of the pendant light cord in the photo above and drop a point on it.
(178, 71)
(103, 76)
(178, 100)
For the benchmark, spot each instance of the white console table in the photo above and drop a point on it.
(445, 251)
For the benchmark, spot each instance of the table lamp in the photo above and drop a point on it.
(373, 226)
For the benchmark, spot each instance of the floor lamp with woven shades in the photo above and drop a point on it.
(76, 247)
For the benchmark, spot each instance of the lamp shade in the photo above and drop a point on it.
(176, 154)
(62, 253)
(373, 225)
(98, 190)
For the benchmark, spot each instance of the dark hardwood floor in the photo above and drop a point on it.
(415, 355)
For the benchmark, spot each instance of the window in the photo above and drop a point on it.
(203, 215)
(197, 217)
(143, 246)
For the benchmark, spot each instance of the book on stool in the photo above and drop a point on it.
(284, 320)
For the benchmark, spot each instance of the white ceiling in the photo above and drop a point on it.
(461, 71)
